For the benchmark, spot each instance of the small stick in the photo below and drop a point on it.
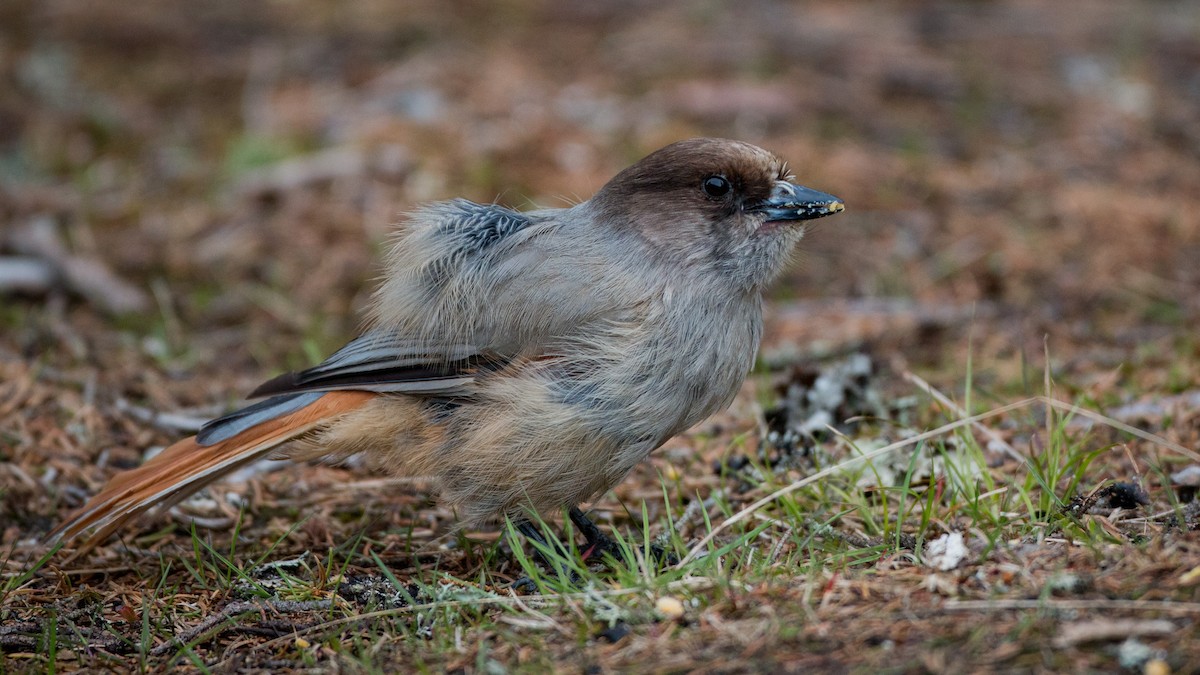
(234, 610)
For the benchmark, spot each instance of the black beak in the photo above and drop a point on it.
(795, 202)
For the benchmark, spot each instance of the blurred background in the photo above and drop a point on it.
(194, 195)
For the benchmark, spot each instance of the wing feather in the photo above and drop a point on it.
(383, 362)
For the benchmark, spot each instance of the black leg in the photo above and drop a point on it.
(598, 542)
(530, 532)
(533, 534)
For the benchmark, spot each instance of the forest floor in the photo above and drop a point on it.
(193, 198)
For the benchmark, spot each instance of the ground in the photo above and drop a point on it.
(193, 198)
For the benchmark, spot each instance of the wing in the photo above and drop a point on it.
(382, 362)
(498, 279)
(427, 356)
(470, 288)
(375, 362)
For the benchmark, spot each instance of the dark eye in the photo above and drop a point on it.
(716, 186)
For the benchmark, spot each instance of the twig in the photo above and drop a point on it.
(87, 276)
(162, 420)
(25, 275)
(1105, 630)
(232, 611)
(20, 637)
(1060, 605)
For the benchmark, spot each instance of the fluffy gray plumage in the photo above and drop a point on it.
(529, 360)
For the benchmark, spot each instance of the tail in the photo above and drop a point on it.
(221, 447)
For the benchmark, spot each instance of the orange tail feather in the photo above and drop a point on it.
(187, 466)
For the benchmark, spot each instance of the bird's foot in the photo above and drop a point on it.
(526, 584)
(597, 543)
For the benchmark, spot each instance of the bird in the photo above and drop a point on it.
(525, 360)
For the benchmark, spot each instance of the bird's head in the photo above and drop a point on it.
(715, 203)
